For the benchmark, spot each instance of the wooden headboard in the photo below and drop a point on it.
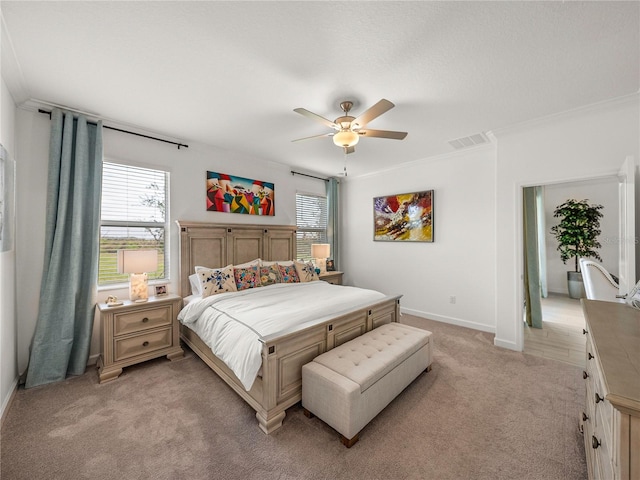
(219, 244)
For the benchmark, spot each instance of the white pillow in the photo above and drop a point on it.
(190, 298)
(196, 286)
(250, 264)
(216, 280)
(284, 263)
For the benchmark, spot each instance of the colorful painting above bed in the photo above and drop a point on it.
(407, 217)
(231, 194)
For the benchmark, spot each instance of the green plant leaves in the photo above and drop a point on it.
(578, 230)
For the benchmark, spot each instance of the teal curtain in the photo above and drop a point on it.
(333, 219)
(533, 309)
(62, 337)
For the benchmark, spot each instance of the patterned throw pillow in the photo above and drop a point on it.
(288, 274)
(269, 275)
(247, 277)
(216, 280)
(306, 271)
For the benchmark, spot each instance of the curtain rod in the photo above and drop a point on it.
(40, 110)
(311, 176)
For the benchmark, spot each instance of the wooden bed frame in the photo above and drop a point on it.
(279, 386)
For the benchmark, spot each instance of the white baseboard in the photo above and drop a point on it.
(453, 321)
(506, 344)
(6, 402)
(93, 359)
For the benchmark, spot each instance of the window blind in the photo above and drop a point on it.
(133, 216)
(311, 221)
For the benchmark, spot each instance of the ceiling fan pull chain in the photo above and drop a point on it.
(345, 161)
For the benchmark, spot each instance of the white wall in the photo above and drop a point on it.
(588, 143)
(187, 168)
(461, 261)
(8, 329)
(603, 191)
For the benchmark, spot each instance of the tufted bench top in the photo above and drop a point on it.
(369, 357)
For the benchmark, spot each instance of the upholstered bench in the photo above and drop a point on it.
(349, 385)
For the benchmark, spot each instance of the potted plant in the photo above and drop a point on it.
(577, 235)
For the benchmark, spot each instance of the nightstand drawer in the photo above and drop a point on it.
(140, 320)
(334, 278)
(140, 344)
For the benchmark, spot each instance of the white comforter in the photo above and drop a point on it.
(233, 324)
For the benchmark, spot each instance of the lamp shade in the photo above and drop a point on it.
(320, 250)
(137, 261)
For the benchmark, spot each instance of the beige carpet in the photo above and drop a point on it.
(481, 413)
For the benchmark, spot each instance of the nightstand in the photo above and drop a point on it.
(332, 277)
(135, 332)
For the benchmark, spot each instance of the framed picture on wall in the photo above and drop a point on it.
(407, 217)
(233, 194)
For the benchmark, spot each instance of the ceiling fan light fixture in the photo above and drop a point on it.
(346, 138)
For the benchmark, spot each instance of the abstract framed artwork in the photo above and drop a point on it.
(407, 217)
(232, 194)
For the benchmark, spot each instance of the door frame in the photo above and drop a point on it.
(520, 242)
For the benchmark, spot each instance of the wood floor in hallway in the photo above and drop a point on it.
(560, 337)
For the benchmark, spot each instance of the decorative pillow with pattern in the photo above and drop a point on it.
(216, 280)
(247, 277)
(269, 275)
(306, 271)
(288, 274)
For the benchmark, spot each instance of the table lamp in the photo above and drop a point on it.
(137, 263)
(320, 252)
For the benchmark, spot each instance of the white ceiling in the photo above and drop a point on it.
(229, 74)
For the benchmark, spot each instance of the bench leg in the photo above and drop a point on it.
(349, 442)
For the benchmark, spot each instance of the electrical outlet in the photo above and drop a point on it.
(452, 299)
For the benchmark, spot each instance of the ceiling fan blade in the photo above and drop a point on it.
(382, 134)
(378, 109)
(313, 136)
(314, 116)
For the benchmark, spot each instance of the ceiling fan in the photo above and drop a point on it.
(349, 129)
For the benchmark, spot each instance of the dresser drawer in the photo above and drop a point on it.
(603, 464)
(140, 320)
(128, 347)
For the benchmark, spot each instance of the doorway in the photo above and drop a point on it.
(561, 337)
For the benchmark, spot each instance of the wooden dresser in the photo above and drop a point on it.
(611, 420)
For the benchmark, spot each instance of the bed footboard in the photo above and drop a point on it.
(280, 384)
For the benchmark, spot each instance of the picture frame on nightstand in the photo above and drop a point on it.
(331, 267)
(161, 290)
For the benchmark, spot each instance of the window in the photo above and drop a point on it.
(134, 202)
(311, 220)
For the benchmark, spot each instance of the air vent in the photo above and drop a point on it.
(470, 141)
